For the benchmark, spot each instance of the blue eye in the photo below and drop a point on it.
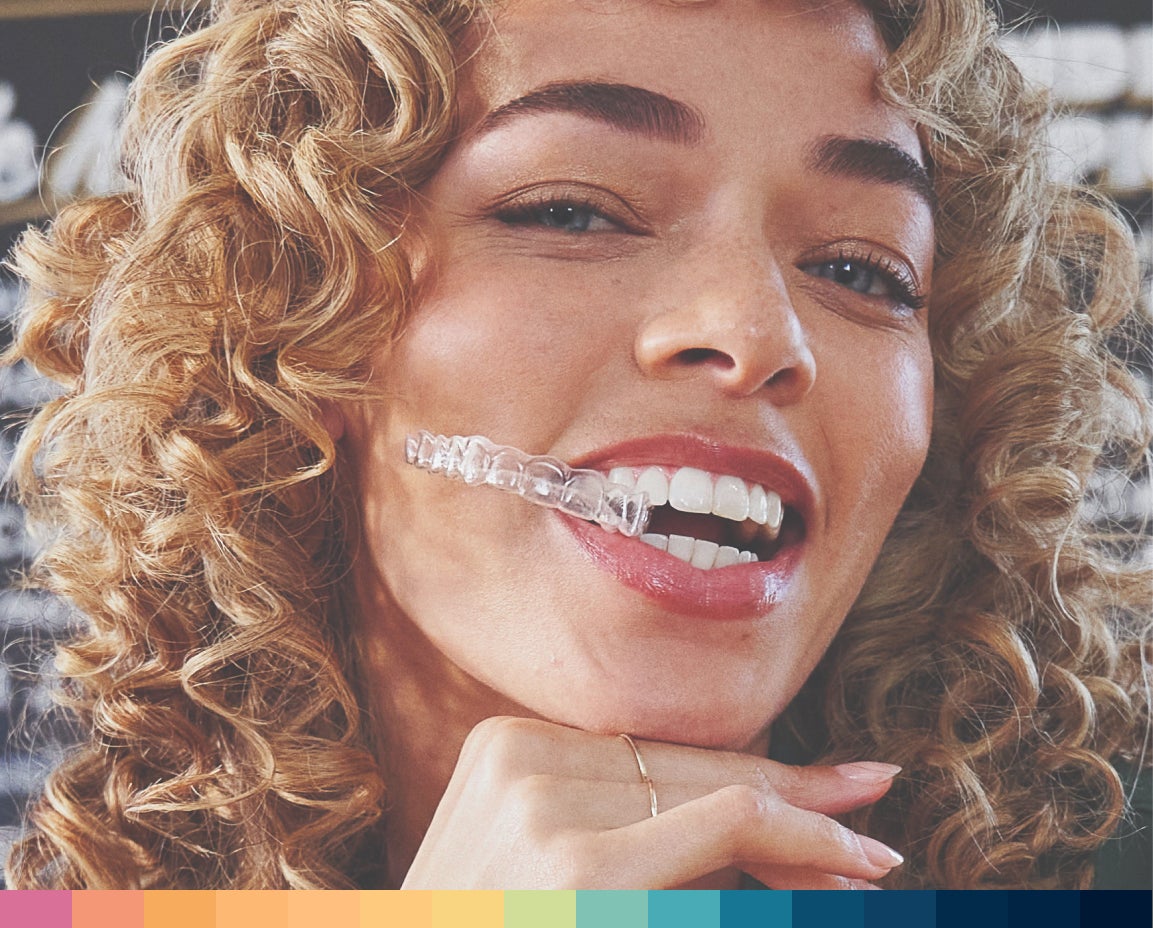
(855, 276)
(560, 215)
(566, 217)
(871, 276)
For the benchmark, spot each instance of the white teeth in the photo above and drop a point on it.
(759, 504)
(726, 556)
(705, 555)
(694, 490)
(660, 542)
(776, 512)
(681, 546)
(731, 499)
(691, 490)
(622, 475)
(654, 482)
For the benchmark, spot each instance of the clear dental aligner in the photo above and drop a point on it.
(546, 481)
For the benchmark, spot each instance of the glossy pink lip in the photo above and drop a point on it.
(738, 592)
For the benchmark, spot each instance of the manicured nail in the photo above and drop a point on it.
(880, 855)
(868, 771)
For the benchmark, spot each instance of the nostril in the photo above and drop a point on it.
(785, 378)
(695, 356)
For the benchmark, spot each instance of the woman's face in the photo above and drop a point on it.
(670, 237)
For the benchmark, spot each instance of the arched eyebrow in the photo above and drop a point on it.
(876, 160)
(622, 106)
(653, 115)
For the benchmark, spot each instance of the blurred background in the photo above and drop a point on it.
(64, 72)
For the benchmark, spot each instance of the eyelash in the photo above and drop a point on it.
(903, 288)
(529, 209)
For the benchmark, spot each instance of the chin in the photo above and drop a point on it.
(714, 728)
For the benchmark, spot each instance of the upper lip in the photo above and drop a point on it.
(755, 465)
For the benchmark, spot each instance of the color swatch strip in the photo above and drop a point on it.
(579, 909)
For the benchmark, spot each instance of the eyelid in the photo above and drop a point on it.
(600, 200)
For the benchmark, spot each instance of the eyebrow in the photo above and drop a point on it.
(622, 106)
(653, 115)
(875, 160)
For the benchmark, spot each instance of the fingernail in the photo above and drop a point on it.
(868, 771)
(880, 855)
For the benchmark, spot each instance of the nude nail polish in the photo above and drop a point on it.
(868, 771)
(880, 855)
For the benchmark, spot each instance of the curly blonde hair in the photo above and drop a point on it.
(194, 504)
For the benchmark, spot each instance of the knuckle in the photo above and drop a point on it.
(780, 778)
(500, 747)
(839, 837)
(532, 794)
(743, 805)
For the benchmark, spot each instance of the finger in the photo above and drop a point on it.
(830, 790)
(500, 751)
(595, 805)
(740, 824)
(799, 878)
(513, 747)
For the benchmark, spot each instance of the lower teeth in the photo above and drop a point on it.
(705, 555)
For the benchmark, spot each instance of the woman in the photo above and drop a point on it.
(642, 238)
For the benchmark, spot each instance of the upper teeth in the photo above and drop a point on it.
(693, 490)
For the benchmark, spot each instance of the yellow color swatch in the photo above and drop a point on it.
(474, 908)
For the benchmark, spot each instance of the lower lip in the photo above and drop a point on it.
(740, 592)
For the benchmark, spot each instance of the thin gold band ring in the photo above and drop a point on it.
(645, 778)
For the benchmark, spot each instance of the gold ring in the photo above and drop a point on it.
(645, 778)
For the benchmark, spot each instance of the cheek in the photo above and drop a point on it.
(910, 419)
(476, 352)
(884, 434)
(909, 430)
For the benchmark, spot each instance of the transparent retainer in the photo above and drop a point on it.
(546, 481)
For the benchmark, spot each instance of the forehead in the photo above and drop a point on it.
(807, 60)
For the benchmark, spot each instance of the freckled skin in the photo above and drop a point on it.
(709, 320)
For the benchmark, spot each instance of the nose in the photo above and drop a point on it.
(733, 323)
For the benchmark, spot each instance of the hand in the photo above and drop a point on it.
(533, 805)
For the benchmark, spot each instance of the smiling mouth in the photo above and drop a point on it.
(708, 520)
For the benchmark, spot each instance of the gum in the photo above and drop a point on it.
(546, 481)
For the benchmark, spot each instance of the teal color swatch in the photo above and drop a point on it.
(762, 908)
(684, 909)
(610, 908)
